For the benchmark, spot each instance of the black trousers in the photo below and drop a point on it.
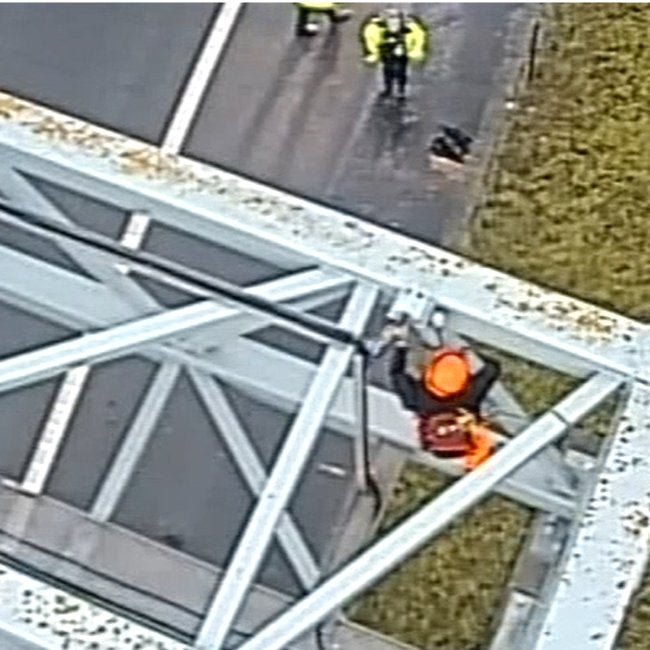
(304, 14)
(395, 70)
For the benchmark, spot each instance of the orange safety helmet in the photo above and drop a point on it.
(448, 374)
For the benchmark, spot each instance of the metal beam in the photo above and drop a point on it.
(543, 326)
(303, 290)
(500, 310)
(79, 303)
(129, 197)
(56, 294)
(286, 472)
(360, 447)
(278, 379)
(387, 419)
(420, 528)
(135, 442)
(137, 437)
(252, 469)
(503, 311)
(173, 273)
(549, 469)
(65, 402)
(518, 487)
(23, 193)
(604, 563)
(116, 341)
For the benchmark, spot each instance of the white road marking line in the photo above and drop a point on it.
(135, 230)
(49, 443)
(53, 433)
(133, 234)
(198, 82)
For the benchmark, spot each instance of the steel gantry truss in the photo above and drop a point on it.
(321, 256)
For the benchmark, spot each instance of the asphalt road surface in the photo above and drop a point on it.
(304, 115)
(118, 65)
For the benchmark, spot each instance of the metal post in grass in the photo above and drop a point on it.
(532, 51)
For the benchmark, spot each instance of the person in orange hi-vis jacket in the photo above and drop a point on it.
(446, 398)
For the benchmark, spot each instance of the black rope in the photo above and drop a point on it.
(320, 639)
(217, 287)
(370, 480)
(41, 226)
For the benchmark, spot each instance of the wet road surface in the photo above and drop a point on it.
(299, 113)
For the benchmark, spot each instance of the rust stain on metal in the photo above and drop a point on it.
(10, 107)
(586, 322)
(637, 522)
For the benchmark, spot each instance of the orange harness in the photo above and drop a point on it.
(457, 434)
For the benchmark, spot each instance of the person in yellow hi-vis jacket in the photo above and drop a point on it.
(304, 24)
(394, 40)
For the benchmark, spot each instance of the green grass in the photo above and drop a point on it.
(568, 206)
(445, 596)
(568, 203)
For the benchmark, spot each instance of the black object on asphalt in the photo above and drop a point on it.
(458, 137)
(452, 143)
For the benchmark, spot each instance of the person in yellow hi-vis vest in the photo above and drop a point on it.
(394, 40)
(304, 24)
